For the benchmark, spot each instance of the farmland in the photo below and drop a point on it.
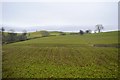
(62, 56)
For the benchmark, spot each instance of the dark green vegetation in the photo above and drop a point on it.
(68, 56)
(13, 37)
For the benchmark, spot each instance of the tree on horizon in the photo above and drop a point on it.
(99, 27)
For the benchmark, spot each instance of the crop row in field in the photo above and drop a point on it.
(59, 62)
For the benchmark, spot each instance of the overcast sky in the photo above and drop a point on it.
(62, 16)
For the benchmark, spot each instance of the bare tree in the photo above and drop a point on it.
(2, 30)
(99, 27)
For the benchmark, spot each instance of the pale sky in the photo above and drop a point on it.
(62, 16)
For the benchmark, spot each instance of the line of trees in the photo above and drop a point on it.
(10, 36)
(98, 29)
(14, 37)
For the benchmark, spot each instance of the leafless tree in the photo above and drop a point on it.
(99, 27)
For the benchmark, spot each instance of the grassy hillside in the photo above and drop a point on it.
(38, 34)
(68, 56)
(34, 34)
(55, 33)
(87, 39)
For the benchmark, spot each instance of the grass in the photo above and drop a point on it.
(55, 33)
(38, 34)
(34, 34)
(69, 56)
(87, 39)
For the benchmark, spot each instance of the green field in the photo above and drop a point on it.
(38, 34)
(67, 56)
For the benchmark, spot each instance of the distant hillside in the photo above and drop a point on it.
(55, 33)
(103, 37)
(34, 34)
(86, 39)
(38, 34)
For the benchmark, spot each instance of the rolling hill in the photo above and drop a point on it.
(65, 56)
